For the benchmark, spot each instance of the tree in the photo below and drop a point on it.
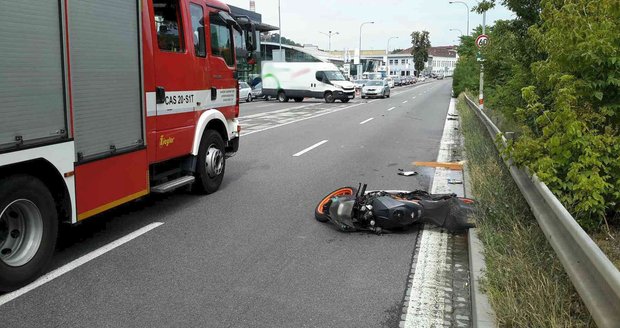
(420, 42)
(275, 37)
(572, 117)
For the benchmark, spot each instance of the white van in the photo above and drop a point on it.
(299, 80)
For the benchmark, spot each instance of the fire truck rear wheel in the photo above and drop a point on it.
(211, 162)
(28, 230)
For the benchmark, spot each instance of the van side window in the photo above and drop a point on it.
(221, 40)
(168, 25)
(198, 27)
(320, 76)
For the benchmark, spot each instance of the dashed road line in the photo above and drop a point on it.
(76, 263)
(366, 121)
(404, 102)
(309, 148)
(390, 109)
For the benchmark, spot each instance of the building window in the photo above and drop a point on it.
(168, 25)
(402, 61)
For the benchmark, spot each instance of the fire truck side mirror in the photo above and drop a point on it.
(160, 95)
(250, 45)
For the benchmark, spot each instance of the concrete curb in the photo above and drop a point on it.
(483, 315)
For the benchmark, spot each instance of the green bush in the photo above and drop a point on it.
(555, 70)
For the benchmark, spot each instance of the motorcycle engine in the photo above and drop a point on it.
(390, 213)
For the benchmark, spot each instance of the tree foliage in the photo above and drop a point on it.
(420, 42)
(275, 37)
(555, 69)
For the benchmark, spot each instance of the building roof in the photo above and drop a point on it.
(256, 18)
(440, 51)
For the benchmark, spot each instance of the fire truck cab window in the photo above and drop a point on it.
(221, 40)
(168, 25)
(198, 27)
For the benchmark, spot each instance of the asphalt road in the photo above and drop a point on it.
(252, 255)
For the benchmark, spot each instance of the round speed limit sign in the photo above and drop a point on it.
(482, 40)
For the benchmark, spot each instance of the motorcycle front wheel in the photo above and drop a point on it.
(320, 211)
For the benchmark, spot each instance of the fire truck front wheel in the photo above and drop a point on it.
(211, 162)
(28, 230)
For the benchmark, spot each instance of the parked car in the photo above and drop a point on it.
(376, 88)
(397, 80)
(390, 81)
(245, 92)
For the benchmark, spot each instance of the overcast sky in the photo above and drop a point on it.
(303, 20)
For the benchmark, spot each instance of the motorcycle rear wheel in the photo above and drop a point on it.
(319, 211)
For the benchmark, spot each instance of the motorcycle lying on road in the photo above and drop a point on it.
(352, 209)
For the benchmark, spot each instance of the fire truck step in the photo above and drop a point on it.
(173, 184)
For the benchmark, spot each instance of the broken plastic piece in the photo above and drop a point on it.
(408, 173)
(454, 181)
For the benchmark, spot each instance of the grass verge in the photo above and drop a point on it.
(525, 282)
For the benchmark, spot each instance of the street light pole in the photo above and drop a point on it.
(359, 74)
(456, 29)
(279, 27)
(481, 97)
(467, 14)
(387, 53)
(329, 35)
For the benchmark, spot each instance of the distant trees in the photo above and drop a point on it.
(275, 37)
(420, 42)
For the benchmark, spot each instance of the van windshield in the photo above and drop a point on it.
(334, 76)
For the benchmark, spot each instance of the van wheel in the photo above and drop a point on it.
(249, 98)
(282, 97)
(329, 97)
(299, 99)
(28, 230)
(211, 163)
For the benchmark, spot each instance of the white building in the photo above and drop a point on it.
(442, 60)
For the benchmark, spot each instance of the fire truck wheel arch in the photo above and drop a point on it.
(208, 118)
(28, 230)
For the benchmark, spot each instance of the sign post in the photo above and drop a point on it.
(481, 41)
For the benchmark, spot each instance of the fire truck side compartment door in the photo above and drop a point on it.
(32, 104)
(104, 44)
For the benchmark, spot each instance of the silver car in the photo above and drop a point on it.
(376, 88)
(245, 92)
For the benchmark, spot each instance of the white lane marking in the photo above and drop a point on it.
(366, 121)
(279, 111)
(309, 148)
(299, 120)
(263, 106)
(390, 109)
(76, 263)
(404, 102)
(413, 97)
(426, 303)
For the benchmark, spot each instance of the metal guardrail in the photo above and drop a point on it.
(595, 278)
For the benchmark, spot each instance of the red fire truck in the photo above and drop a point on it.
(104, 102)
